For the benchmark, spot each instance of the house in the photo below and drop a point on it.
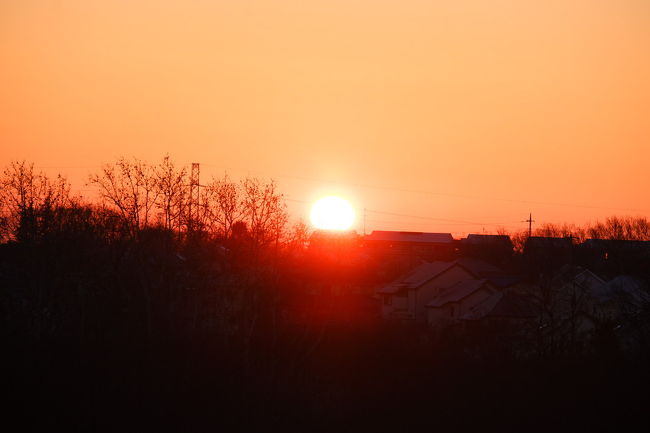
(579, 301)
(547, 253)
(602, 300)
(414, 245)
(580, 291)
(577, 305)
(408, 296)
(456, 300)
(631, 292)
(616, 246)
(613, 256)
(493, 248)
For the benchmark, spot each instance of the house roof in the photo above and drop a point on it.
(633, 289)
(570, 277)
(457, 292)
(479, 268)
(578, 275)
(481, 239)
(428, 271)
(505, 281)
(502, 304)
(416, 237)
(616, 244)
(548, 242)
(483, 308)
(420, 275)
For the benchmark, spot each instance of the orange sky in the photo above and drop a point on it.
(490, 109)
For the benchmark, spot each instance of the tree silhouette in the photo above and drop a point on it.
(132, 188)
(171, 186)
(30, 199)
(225, 206)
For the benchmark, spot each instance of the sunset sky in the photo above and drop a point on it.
(465, 114)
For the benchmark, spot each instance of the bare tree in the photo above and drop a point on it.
(132, 188)
(519, 239)
(626, 228)
(578, 234)
(225, 205)
(5, 233)
(171, 186)
(265, 211)
(29, 199)
(298, 236)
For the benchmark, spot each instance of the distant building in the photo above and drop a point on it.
(412, 245)
(457, 300)
(407, 297)
(613, 256)
(617, 245)
(580, 292)
(544, 254)
(493, 248)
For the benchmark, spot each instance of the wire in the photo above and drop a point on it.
(438, 219)
(403, 190)
(424, 224)
(417, 191)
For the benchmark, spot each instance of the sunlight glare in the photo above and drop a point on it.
(332, 213)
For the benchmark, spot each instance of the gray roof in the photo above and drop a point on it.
(479, 268)
(483, 308)
(616, 244)
(428, 271)
(546, 242)
(420, 275)
(633, 289)
(457, 292)
(502, 304)
(584, 278)
(416, 237)
(481, 239)
(505, 280)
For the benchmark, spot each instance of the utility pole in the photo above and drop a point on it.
(364, 221)
(193, 204)
(530, 222)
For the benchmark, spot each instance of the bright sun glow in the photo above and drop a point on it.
(332, 213)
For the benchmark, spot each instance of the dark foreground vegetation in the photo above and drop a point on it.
(140, 314)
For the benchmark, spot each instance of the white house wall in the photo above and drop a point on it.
(398, 303)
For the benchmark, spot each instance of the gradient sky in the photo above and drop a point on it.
(470, 113)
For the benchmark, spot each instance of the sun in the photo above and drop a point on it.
(332, 213)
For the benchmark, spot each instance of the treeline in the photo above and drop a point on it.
(134, 195)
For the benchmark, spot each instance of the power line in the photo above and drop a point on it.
(397, 189)
(438, 219)
(446, 194)
(425, 224)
